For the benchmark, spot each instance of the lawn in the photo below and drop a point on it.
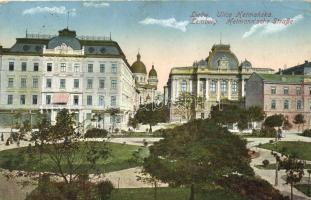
(303, 188)
(20, 159)
(301, 149)
(171, 194)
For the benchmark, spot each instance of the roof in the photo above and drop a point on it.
(276, 78)
(138, 66)
(153, 72)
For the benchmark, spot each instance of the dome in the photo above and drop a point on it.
(153, 72)
(67, 37)
(246, 64)
(221, 57)
(138, 66)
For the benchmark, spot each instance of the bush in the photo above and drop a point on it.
(96, 133)
(264, 132)
(265, 163)
(104, 189)
(306, 133)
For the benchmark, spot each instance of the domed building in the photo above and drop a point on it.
(146, 85)
(214, 79)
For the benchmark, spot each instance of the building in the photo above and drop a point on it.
(281, 94)
(219, 76)
(146, 84)
(302, 69)
(84, 74)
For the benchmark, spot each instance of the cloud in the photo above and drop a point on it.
(96, 5)
(3, 1)
(51, 10)
(270, 27)
(171, 23)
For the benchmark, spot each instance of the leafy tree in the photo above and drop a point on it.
(294, 169)
(23, 130)
(274, 121)
(184, 105)
(151, 114)
(309, 182)
(133, 122)
(96, 133)
(255, 114)
(197, 153)
(299, 120)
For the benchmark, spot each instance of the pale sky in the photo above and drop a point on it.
(164, 34)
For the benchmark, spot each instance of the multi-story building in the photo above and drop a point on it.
(302, 69)
(86, 75)
(219, 76)
(281, 94)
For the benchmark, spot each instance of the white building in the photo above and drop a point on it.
(86, 75)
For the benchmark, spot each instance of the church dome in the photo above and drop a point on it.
(221, 57)
(153, 72)
(246, 64)
(138, 66)
(67, 37)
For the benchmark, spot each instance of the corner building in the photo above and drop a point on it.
(85, 75)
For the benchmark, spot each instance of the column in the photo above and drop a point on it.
(218, 90)
(198, 87)
(242, 92)
(229, 89)
(206, 89)
(190, 85)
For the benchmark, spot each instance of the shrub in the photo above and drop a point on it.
(104, 189)
(265, 163)
(306, 133)
(96, 133)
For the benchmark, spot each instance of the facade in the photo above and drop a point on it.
(220, 76)
(281, 94)
(86, 75)
(146, 84)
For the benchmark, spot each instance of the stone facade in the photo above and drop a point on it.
(281, 94)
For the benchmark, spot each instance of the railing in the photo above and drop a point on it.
(82, 37)
(102, 38)
(39, 36)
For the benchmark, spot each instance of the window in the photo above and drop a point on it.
(286, 104)
(22, 99)
(10, 99)
(34, 99)
(273, 104)
(298, 90)
(90, 68)
(75, 100)
(285, 90)
(113, 84)
(234, 87)
(23, 83)
(63, 67)
(35, 82)
(11, 83)
(273, 90)
(101, 84)
(223, 86)
(101, 100)
(299, 105)
(62, 84)
(114, 68)
(76, 68)
(24, 66)
(48, 83)
(11, 66)
(102, 68)
(36, 67)
(184, 86)
(89, 100)
(113, 100)
(213, 86)
(76, 83)
(49, 67)
(48, 99)
(310, 105)
(89, 83)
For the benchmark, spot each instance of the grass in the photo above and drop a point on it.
(171, 194)
(301, 149)
(272, 166)
(303, 188)
(20, 159)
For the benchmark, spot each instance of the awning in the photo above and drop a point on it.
(60, 98)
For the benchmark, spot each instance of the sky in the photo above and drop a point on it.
(268, 33)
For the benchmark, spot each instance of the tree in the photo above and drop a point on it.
(184, 105)
(309, 182)
(151, 114)
(274, 121)
(294, 169)
(299, 120)
(60, 142)
(133, 122)
(255, 114)
(197, 153)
